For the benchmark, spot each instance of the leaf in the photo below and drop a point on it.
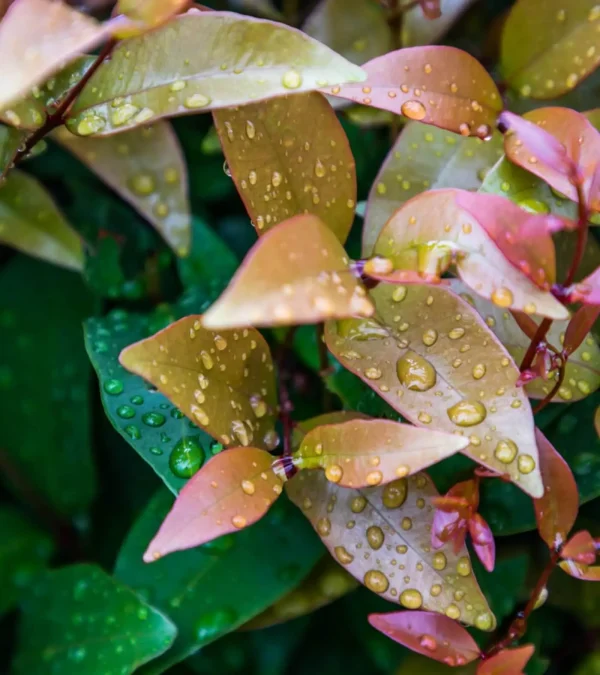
(214, 589)
(203, 372)
(44, 385)
(135, 633)
(507, 661)
(579, 327)
(290, 156)
(234, 490)
(272, 60)
(556, 511)
(438, 637)
(427, 342)
(362, 453)
(540, 64)
(578, 136)
(588, 290)
(325, 584)
(10, 140)
(443, 86)
(581, 571)
(580, 548)
(597, 421)
(419, 30)
(356, 29)
(150, 13)
(582, 373)
(147, 169)
(28, 113)
(424, 246)
(296, 273)
(25, 551)
(379, 532)
(32, 223)
(47, 34)
(425, 158)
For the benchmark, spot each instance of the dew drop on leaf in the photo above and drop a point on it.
(467, 413)
(186, 457)
(415, 372)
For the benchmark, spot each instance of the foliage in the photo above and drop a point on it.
(330, 270)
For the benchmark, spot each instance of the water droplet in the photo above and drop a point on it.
(375, 537)
(207, 360)
(239, 522)
(439, 561)
(248, 487)
(463, 567)
(358, 504)
(334, 473)
(90, 124)
(484, 621)
(502, 297)
(214, 623)
(250, 129)
(361, 329)
(526, 463)
(414, 110)
(142, 184)
(415, 372)
(479, 371)
(77, 654)
(429, 337)
(506, 450)
(133, 432)
(323, 526)
(319, 169)
(126, 412)
(411, 598)
(241, 432)
(467, 413)
(342, 555)
(291, 79)
(399, 293)
(186, 457)
(373, 373)
(178, 85)
(259, 407)
(374, 478)
(376, 581)
(428, 642)
(196, 101)
(153, 419)
(122, 114)
(113, 387)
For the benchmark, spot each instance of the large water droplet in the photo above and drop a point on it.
(467, 413)
(376, 581)
(361, 329)
(113, 387)
(126, 412)
(291, 79)
(414, 110)
(153, 419)
(186, 457)
(394, 493)
(415, 372)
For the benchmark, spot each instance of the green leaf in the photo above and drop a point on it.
(25, 551)
(539, 63)
(173, 445)
(425, 158)
(164, 73)
(10, 140)
(146, 168)
(504, 585)
(110, 628)
(44, 382)
(211, 590)
(31, 222)
(28, 113)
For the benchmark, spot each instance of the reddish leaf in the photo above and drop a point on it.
(588, 290)
(438, 85)
(580, 571)
(556, 511)
(231, 491)
(360, 453)
(579, 327)
(507, 662)
(580, 140)
(296, 273)
(483, 541)
(428, 633)
(580, 548)
(448, 527)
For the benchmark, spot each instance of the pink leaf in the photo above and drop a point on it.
(507, 662)
(428, 633)
(448, 527)
(483, 541)
(579, 327)
(580, 571)
(580, 548)
(556, 511)
(588, 290)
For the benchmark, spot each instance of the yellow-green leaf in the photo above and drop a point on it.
(150, 13)
(417, 29)
(297, 273)
(146, 167)
(382, 536)
(223, 381)
(28, 113)
(289, 156)
(37, 38)
(31, 222)
(326, 583)
(424, 158)
(554, 57)
(356, 29)
(10, 140)
(242, 60)
(434, 360)
(230, 492)
(582, 374)
(415, 241)
(362, 453)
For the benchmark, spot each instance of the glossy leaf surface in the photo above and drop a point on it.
(425, 158)
(362, 453)
(581, 571)
(588, 290)
(417, 29)
(578, 136)
(582, 373)
(507, 662)
(424, 246)
(435, 636)
(381, 536)
(540, 63)
(47, 34)
(44, 384)
(435, 85)
(556, 511)
(244, 60)
(580, 548)
(290, 156)
(233, 490)
(297, 273)
(203, 372)
(432, 358)
(211, 590)
(138, 633)
(150, 12)
(146, 167)
(28, 113)
(32, 223)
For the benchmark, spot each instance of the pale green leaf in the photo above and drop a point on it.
(417, 29)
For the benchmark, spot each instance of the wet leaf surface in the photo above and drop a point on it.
(113, 626)
(290, 156)
(10, 140)
(507, 662)
(382, 537)
(432, 358)
(165, 74)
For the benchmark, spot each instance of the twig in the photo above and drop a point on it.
(548, 398)
(539, 336)
(58, 117)
(582, 232)
(285, 404)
